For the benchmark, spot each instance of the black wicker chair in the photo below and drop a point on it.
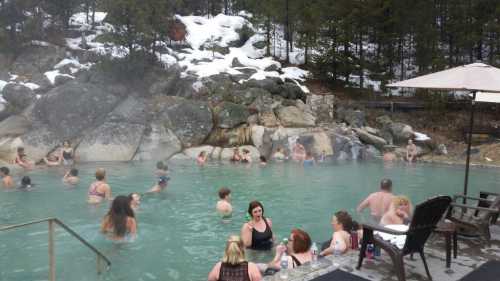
(425, 218)
(476, 219)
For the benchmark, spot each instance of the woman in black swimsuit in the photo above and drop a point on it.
(257, 233)
(67, 154)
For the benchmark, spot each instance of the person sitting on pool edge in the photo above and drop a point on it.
(202, 158)
(67, 156)
(298, 248)
(22, 159)
(341, 238)
(279, 155)
(162, 184)
(7, 180)
(411, 151)
(234, 265)
(99, 190)
(399, 212)
(236, 157)
(247, 157)
(120, 221)
(257, 234)
(223, 206)
(71, 177)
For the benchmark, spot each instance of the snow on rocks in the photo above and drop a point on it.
(51, 75)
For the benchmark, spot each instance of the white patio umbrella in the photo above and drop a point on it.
(481, 80)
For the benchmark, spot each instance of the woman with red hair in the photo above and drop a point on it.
(298, 248)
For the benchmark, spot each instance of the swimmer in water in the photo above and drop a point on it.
(223, 206)
(7, 181)
(120, 221)
(162, 184)
(71, 177)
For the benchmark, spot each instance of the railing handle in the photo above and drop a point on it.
(52, 260)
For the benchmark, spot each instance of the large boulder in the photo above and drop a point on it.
(39, 142)
(73, 107)
(36, 60)
(292, 116)
(400, 132)
(14, 125)
(229, 115)
(268, 119)
(230, 137)
(158, 143)
(18, 95)
(111, 142)
(190, 120)
(323, 107)
(317, 143)
(271, 85)
(8, 148)
(255, 98)
(355, 118)
(292, 91)
(368, 138)
(346, 145)
(258, 136)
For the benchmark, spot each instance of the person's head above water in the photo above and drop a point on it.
(235, 251)
(73, 172)
(255, 209)
(300, 241)
(4, 171)
(341, 220)
(25, 182)
(263, 159)
(161, 166)
(223, 192)
(386, 185)
(100, 174)
(66, 143)
(20, 151)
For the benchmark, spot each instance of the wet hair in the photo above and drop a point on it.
(246, 151)
(253, 205)
(400, 200)
(202, 153)
(67, 141)
(301, 241)
(223, 192)
(20, 150)
(344, 219)
(5, 170)
(386, 184)
(100, 174)
(131, 195)
(263, 158)
(25, 182)
(73, 172)
(235, 251)
(118, 214)
(355, 226)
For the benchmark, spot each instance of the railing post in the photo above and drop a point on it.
(52, 263)
(99, 271)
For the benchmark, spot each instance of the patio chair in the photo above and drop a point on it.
(425, 218)
(490, 196)
(474, 220)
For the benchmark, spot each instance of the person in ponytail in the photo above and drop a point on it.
(234, 266)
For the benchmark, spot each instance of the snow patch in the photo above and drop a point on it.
(220, 28)
(421, 136)
(30, 85)
(40, 43)
(51, 75)
(2, 84)
(295, 73)
(81, 18)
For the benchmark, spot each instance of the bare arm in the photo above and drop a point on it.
(107, 192)
(246, 234)
(214, 273)
(254, 272)
(363, 204)
(132, 225)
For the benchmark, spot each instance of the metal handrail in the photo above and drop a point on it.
(51, 222)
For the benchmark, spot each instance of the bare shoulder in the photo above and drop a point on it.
(269, 221)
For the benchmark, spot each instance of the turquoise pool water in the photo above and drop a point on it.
(180, 236)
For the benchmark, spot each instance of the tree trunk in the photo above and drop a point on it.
(287, 35)
(268, 35)
(361, 61)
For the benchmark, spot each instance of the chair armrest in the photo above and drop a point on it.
(383, 229)
(489, 193)
(493, 211)
(470, 198)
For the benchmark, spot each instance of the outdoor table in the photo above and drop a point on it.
(449, 230)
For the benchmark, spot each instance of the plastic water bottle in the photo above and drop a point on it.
(376, 252)
(284, 267)
(354, 240)
(314, 252)
(369, 251)
(336, 249)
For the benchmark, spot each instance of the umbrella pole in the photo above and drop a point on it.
(469, 143)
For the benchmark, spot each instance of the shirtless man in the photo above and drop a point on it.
(411, 151)
(6, 178)
(378, 202)
(223, 206)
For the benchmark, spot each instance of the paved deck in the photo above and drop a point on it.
(471, 254)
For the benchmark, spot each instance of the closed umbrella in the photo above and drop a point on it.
(481, 80)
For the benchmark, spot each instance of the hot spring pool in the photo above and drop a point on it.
(179, 235)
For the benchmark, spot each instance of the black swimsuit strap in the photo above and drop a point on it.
(296, 262)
